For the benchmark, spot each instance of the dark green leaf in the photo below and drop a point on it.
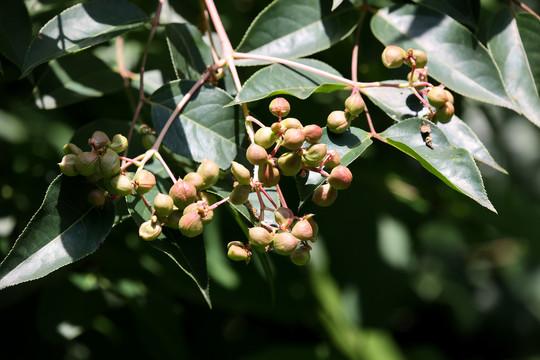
(80, 27)
(454, 166)
(75, 78)
(204, 129)
(282, 79)
(190, 54)
(529, 28)
(401, 104)
(451, 48)
(288, 29)
(349, 145)
(66, 228)
(187, 253)
(507, 48)
(461, 10)
(15, 31)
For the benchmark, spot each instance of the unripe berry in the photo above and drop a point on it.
(209, 171)
(121, 185)
(71, 149)
(86, 163)
(332, 159)
(268, 175)
(149, 230)
(293, 139)
(393, 57)
(444, 113)
(67, 165)
(163, 205)
(194, 179)
(340, 177)
(449, 96)
(173, 219)
(437, 96)
(206, 216)
(148, 140)
(284, 217)
(355, 104)
(324, 195)
(95, 177)
(241, 173)
(421, 58)
(265, 137)
(119, 143)
(289, 163)
(303, 230)
(238, 253)
(190, 224)
(183, 194)
(144, 181)
(279, 107)
(256, 155)
(314, 155)
(337, 122)
(260, 237)
(314, 226)
(96, 197)
(301, 256)
(312, 133)
(276, 127)
(291, 123)
(239, 195)
(285, 243)
(99, 140)
(109, 164)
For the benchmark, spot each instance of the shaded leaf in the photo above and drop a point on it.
(74, 79)
(189, 53)
(461, 10)
(529, 28)
(454, 166)
(451, 48)
(335, 4)
(66, 228)
(282, 79)
(80, 27)
(288, 29)
(507, 48)
(15, 31)
(349, 145)
(401, 104)
(204, 128)
(188, 253)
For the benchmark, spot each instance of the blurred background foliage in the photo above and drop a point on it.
(405, 267)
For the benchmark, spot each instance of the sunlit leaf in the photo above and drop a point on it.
(66, 228)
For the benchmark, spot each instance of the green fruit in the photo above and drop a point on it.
(293, 139)
(437, 96)
(355, 104)
(195, 179)
(67, 165)
(99, 140)
(276, 127)
(301, 256)
(284, 217)
(265, 137)
(259, 236)
(149, 230)
(332, 159)
(183, 194)
(289, 163)
(86, 163)
(96, 197)
(144, 181)
(148, 140)
(119, 143)
(324, 195)
(163, 205)
(314, 155)
(340, 177)
(190, 224)
(303, 230)
(279, 107)
(291, 123)
(449, 96)
(444, 113)
(312, 133)
(314, 226)
(256, 154)
(393, 57)
(337, 122)
(121, 185)
(241, 173)
(209, 171)
(420, 58)
(173, 219)
(285, 243)
(71, 149)
(109, 164)
(238, 253)
(240, 194)
(268, 175)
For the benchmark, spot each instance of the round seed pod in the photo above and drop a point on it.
(420, 58)
(285, 243)
(279, 107)
(190, 224)
(276, 127)
(301, 256)
(173, 219)
(183, 194)
(444, 113)
(355, 104)
(256, 154)
(209, 171)
(284, 217)
(96, 197)
(268, 175)
(238, 253)
(337, 122)
(265, 137)
(324, 195)
(86, 163)
(67, 165)
(312, 133)
(119, 143)
(241, 173)
(259, 236)
(314, 155)
(149, 230)
(240, 194)
(144, 181)
(449, 96)
(121, 185)
(291, 123)
(437, 96)
(340, 177)
(99, 140)
(393, 57)
(289, 163)
(293, 139)
(163, 205)
(303, 230)
(332, 160)
(195, 179)
(71, 149)
(109, 164)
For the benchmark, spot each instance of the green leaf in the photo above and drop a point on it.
(509, 53)
(335, 4)
(80, 27)
(529, 28)
(282, 79)
(456, 58)
(204, 128)
(15, 31)
(66, 228)
(461, 10)
(189, 53)
(289, 29)
(74, 79)
(401, 104)
(188, 253)
(349, 145)
(454, 166)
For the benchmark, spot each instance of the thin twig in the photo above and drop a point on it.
(165, 166)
